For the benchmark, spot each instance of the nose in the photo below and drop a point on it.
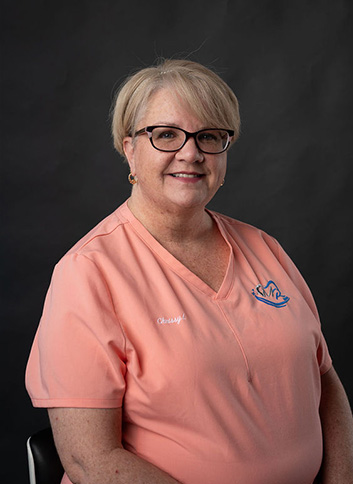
(190, 152)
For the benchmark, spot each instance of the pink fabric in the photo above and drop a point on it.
(65, 480)
(215, 385)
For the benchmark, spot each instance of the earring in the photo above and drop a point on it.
(132, 179)
(223, 182)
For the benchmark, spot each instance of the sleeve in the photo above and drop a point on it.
(78, 354)
(323, 355)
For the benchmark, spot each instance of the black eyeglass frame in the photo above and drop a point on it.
(148, 130)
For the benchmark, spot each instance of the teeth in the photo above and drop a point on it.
(185, 175)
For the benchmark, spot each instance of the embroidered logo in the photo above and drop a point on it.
(176, 320)
(270, 294)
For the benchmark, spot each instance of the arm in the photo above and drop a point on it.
(89, 444)
(337, 427)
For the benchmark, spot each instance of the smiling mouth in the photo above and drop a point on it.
(186, 175)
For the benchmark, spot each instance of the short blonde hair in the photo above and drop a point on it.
(207, 96)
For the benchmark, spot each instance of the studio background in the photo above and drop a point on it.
(290, 173)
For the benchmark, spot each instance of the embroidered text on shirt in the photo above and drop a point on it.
(176, 320)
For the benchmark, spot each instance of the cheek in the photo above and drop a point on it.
(221, 167)
(153, 164)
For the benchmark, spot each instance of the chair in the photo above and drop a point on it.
(43, 460)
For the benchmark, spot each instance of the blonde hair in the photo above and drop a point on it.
(207, 96)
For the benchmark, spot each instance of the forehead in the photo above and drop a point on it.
(167, 107)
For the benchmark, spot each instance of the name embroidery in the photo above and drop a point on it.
(270, 294)
(176, 320)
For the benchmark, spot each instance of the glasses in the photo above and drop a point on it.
(168, 138)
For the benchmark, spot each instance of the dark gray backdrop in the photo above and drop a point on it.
(290, 173)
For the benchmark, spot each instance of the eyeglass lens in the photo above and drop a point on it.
(172, 139)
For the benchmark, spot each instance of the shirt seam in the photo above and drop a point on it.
(96, 236)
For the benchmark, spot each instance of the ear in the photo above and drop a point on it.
(129, 151)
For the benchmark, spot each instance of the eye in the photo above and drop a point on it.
(208, 136)
(164, 134)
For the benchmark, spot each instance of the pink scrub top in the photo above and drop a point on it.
(215, 387)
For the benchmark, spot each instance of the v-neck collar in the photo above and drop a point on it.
(177, 266)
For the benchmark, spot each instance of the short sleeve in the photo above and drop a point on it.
(78, 355)
(323, 355)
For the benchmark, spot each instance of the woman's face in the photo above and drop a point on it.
(162, 183)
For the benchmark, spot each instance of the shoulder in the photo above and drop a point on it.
(102, 235)
(94, 250)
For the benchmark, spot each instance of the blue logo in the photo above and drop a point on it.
(270, 294)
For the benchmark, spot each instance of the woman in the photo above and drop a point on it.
(177, 344)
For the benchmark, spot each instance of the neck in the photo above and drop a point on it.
(178, 225)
